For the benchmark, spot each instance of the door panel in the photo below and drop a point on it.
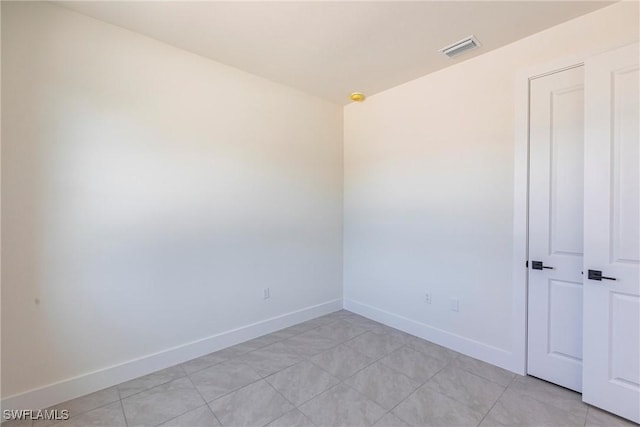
(567, 173)
(556, 138)
(567, 319)
(624, 325)
(612, 237)
(626, 177)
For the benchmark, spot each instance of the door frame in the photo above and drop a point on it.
(520, 272)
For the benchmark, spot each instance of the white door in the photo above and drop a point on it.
(612, 243)
(556, 138)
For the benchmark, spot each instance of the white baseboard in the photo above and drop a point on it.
(72, 388)
(485, 352)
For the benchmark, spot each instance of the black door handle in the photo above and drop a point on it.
(597, 275)
(538, 265)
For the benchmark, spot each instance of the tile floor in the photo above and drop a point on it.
(337, 370)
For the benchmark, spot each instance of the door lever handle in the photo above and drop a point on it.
(597, 275)
(538, 265)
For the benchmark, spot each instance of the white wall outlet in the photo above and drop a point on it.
(267, 293)
(427, 298)
(455, 304)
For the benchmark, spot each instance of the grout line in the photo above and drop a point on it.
(367, 398)
(482, 376)
(314, 396)
(203, 399)
(124, 414)
(419, 387)
(498, 399)
(229, 392)
(117, 386)
(447, 362)
(263, 378)
(77, 414)
(586, 416)
(283, 396)
(547, 403)
(374, 360)
(280, 340)
(179, 415)
(214, 415)
(504, 388)
(206, 367)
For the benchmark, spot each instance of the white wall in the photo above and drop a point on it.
(149, 195)
(429, 191)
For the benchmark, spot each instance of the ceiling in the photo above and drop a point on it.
(331, 49)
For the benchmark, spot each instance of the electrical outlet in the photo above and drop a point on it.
(267, 293)
(427, 298)
(455, 304)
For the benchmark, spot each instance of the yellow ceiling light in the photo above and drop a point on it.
(357, 96)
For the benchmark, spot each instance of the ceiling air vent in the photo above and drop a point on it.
(461, 46)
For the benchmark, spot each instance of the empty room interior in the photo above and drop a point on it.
(323, 213)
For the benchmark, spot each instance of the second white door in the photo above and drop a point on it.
(612, 233)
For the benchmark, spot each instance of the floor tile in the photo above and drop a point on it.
(303, 364)
(233, 352)
(472, 390)
(254, 405)
(514, 408)
(431, 349)
(297, 329)
(599, 418)
(16, 423)
(200, 417)
(264, 341)
(484, 370)
(149, 381)
(427, 407)
(106, 416)
(161, 403)
(310, 343)
(342, 361)
(293, 418)
(342, 406)
(301, 382)
(390, 420)
(319, 321)
(384, 329)
(223, 378)
(362, 321)
(341, 330)
(82, 404)
(247, 346)
(375, 345)
(271, 359)
(204, 362)
(282, 335)
(323, 321)
(383, 385)
(551, 394)
(414, 364)
(342, 313)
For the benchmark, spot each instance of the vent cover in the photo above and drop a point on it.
(461, 46)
